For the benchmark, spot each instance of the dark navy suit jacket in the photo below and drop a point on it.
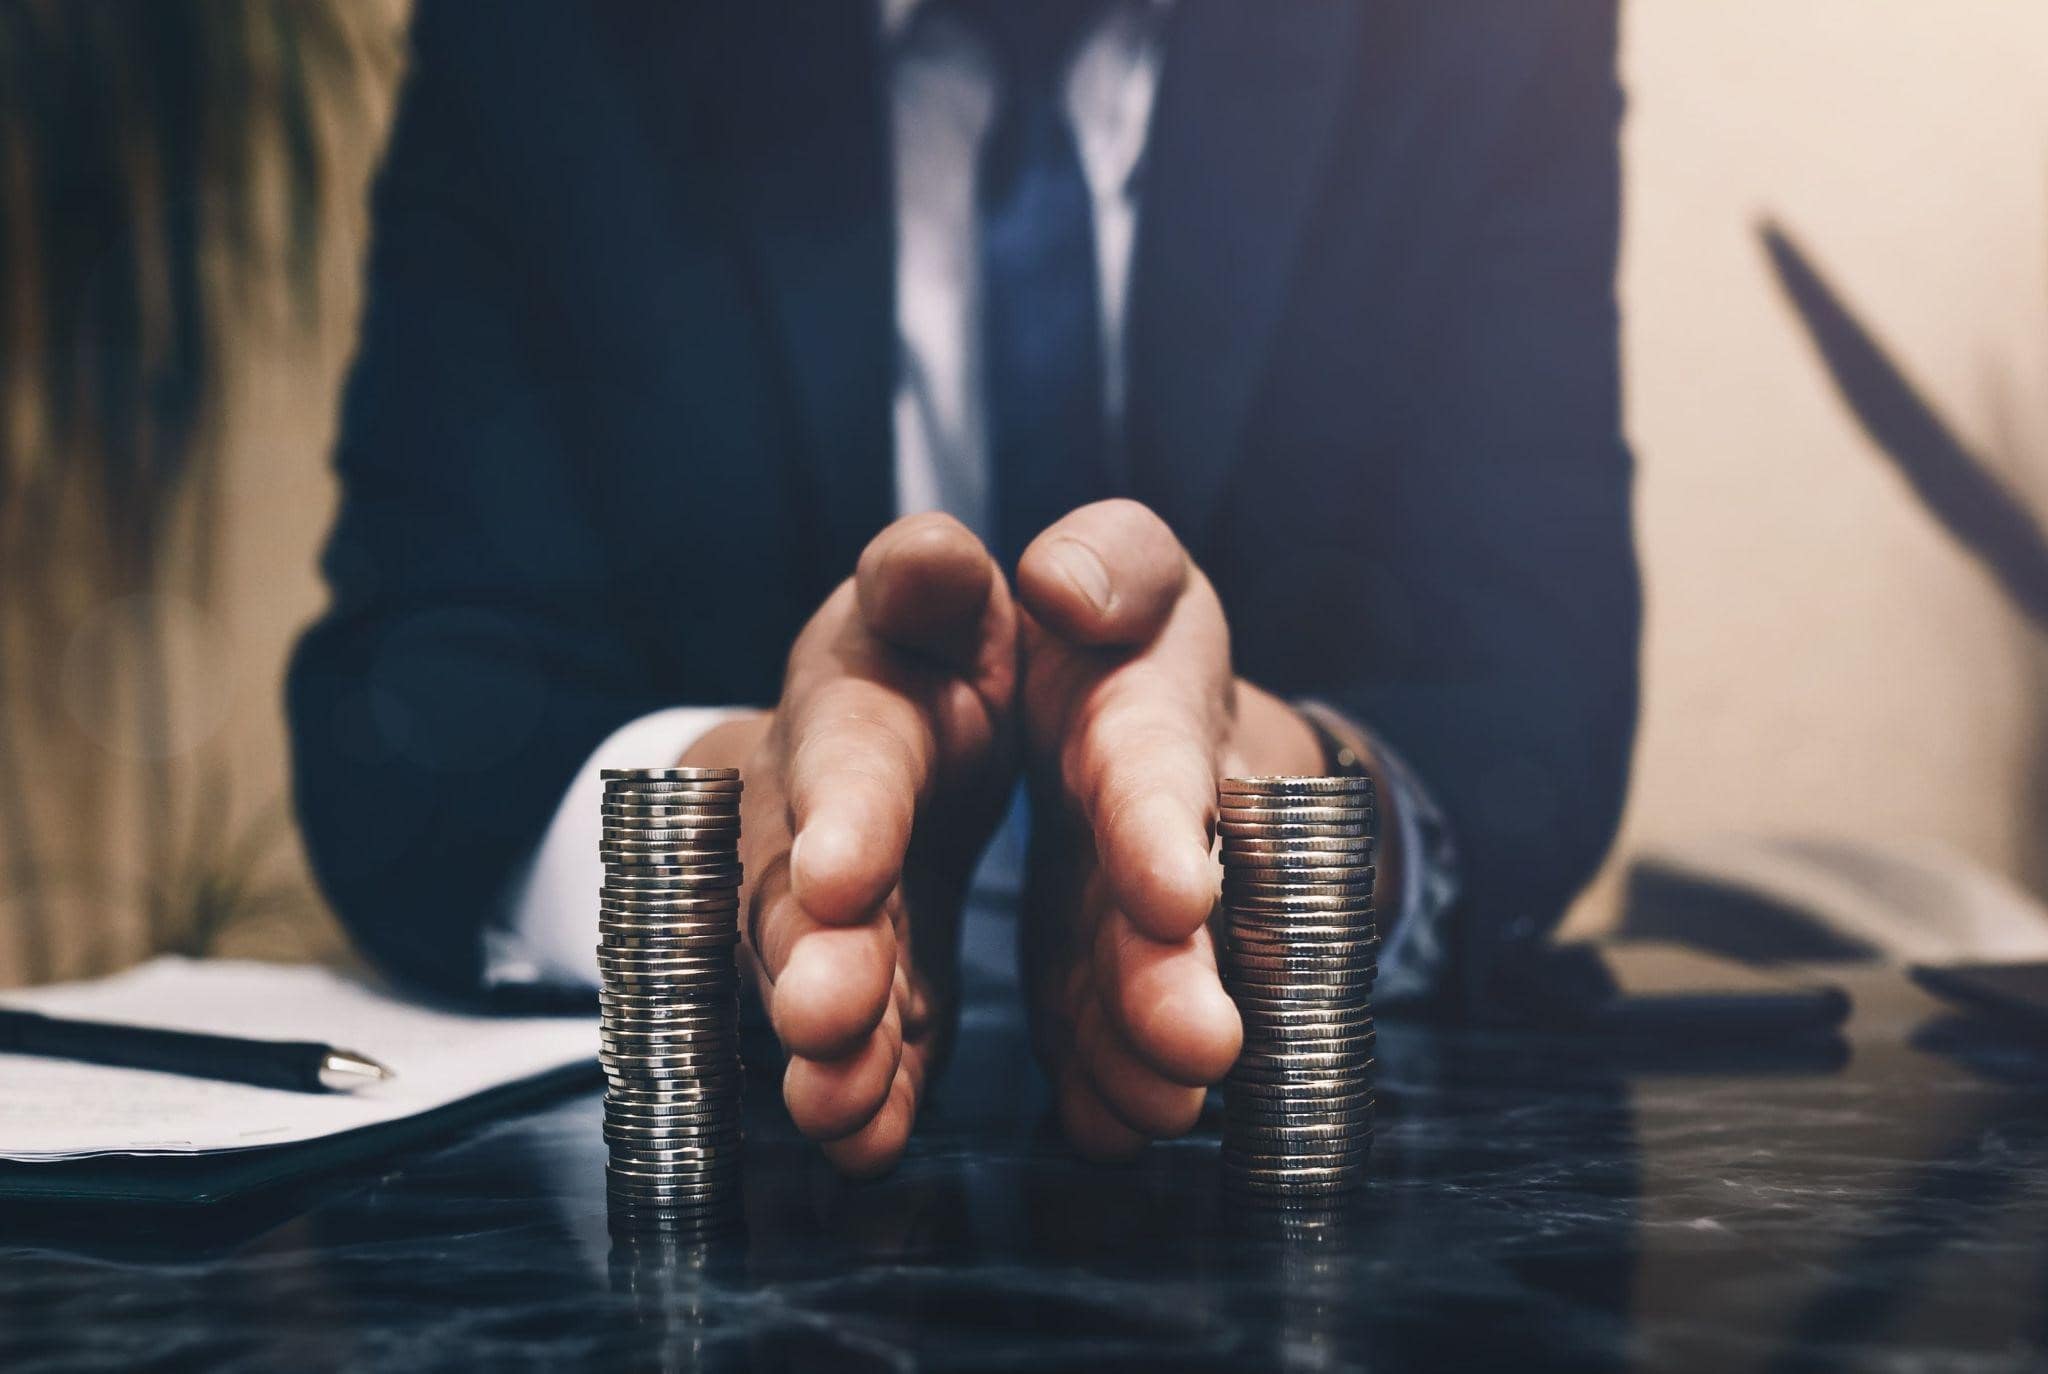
(621, 416)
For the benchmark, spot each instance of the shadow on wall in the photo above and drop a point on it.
(1959, 488)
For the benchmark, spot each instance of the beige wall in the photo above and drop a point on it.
(1820, 657)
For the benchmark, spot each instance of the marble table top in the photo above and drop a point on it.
(1539, 1203)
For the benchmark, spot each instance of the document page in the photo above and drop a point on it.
(51, 1109)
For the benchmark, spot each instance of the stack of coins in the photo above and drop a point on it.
(668, 1031)
(1300, 952)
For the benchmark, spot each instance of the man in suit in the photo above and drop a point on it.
(1244, 381)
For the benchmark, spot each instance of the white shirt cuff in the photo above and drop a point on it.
(550, 929)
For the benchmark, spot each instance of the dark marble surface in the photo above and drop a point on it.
(1539, 1204)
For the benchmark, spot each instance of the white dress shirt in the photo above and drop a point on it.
(942, 92)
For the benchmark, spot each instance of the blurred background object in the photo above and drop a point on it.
(1841, 696)
(179, 231)
(1827, 666)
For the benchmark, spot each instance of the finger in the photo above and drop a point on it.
(875, 1147)
(860, 757)
(828, 985)
(924, 584)
(1170, 1003)
(1142, 768)
(832, 1098)
(1106, 574)
(1092, 1129)
(1135, 1092)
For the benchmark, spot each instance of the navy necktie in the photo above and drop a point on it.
(1040, 315)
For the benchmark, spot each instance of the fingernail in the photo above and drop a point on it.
(1080, 565)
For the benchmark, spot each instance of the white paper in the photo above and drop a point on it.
(51, 1109)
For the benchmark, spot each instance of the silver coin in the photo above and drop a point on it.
(722, 837)
(652, 961)
(1357, 941)
(725, 1078)
(724, 1032)
(679, 1179)
(1274, 984)
(663, 1010)
(669, 934)
(654, 1003)
(638, 913)
(1285, 784)
(672, 794)
(1281, 973)
(1348, 1032)
(696, 1158)
(1237, 890)
(1299, 992)
(691, 1040)
(1237, 846)
(1275, 1114)
(659, 878)
(1264, 1064)
(1269, 1170)
(1289, 1014)
(704, 1121)
(1239, 831)
(714, 903)
(683, 839)
(1281, 873)
(1304, 938)
(715, 857)
(638, 1104)
(695, 1210)
(692, 1003)
(1301, 989)
(682, 1192)
(1336, 1094)
(1301, 936)
(1282, 959)
(706, 912)
(636, 1139)
(689, 959)
(1229, 818)
(625, 1047)
(684, 1206)
(713, 1068)
(708, 1065)
(710, 987)
(670, 817)
(1246, 874)
(1274, 1104)
(676, 1198)
(672, 773)
(1337, 907)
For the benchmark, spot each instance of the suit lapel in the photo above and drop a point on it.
(1248, 96)
(789, 100)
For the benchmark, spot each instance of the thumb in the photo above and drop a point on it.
(924, 584)
(1106, 575)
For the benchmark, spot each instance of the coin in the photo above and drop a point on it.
(1299, 957)
(1291, 786)
(668, 997)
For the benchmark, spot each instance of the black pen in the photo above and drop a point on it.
(301, 1065)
